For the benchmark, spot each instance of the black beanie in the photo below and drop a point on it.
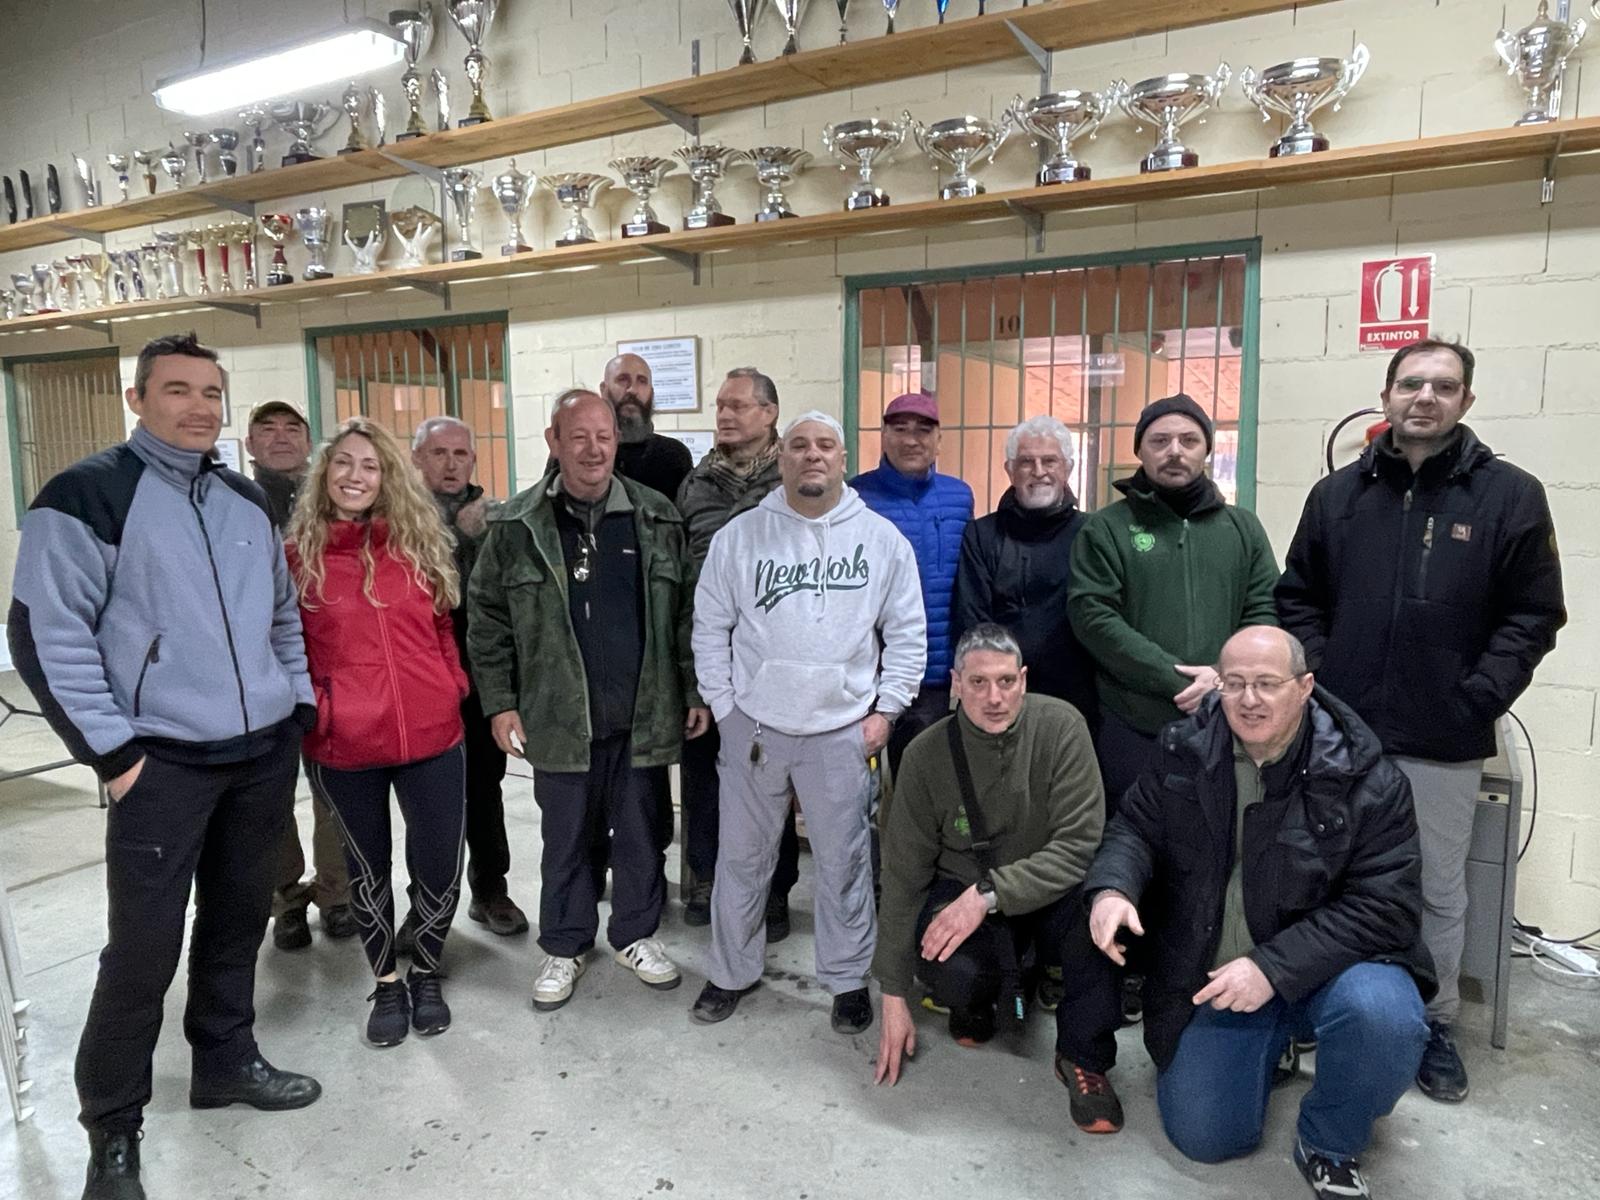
(1181, 404)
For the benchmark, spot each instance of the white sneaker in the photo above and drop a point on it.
(552, 987)
(647, 959)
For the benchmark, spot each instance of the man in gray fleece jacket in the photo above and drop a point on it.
(809, 640)
(154, 619)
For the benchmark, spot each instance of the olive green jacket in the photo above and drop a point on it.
(523, 649)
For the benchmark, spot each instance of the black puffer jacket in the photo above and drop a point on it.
(1332, 868)
(1426, 601)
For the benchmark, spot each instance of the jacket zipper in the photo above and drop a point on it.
(152, 655)
(222, 604)
(394, 682)
(1399, 566)
(1427, 551)
(1188, 588)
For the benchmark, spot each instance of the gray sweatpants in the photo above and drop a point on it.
(1446, 798)
(829, 774)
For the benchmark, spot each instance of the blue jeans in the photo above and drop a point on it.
(1370, 1034)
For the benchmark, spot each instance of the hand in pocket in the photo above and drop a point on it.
(123, 784)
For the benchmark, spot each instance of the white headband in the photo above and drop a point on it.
(818, 416)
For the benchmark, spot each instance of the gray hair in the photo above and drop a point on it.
(1297, 655)
(432, 426)
(987, 636)
(762, 387)
(569, 399)
(1042, 426)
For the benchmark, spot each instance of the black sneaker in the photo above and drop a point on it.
(1091, 1098)
(339, 921)
(429, 1013)
(391, 1014)
(405, 939)
(697, 908)
(291, 931)
(113, 1167)
(777, 917)
(972, 1026)
(852, 1012)
(717, 1004)
(1132, 999)
(1050, 990)
(1442, 1075)
(1329, 1177)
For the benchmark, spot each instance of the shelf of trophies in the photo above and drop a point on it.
(992, 37)
(685, 247)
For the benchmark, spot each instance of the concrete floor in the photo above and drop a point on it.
(619, 1095)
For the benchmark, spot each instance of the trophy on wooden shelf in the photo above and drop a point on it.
(148, 257)
(473, 19)
(175, 163)
(314, 224)
(707, 163)
(169, 263)
(61, 279)
(146, 160)
(1168, 102)
(439, 82)
(413, 228)
(304, 121)
(119, 164)
(87, 182)
(353, 102)
(244, 234)
(414, 27)
(365, 231)
(379, 108)
(791, 12)
(1056, 120)
(227, 143)
(461, 185)
(1537, 55)
(960, 143)
(514, 189)
(52, 187)
(127, 280)
(1296, 89)
(891, 7)
(25, 186)
(199, 141)
(746, 13)
(220, 236)
(8, 304)
(23, 282)
(255, 151)
(942, 5)
(844, 28)
(576, 191)
(278, 227)
(863, 144)
(641, 175)
(199, 240)
(88, 294)
(11, 201)
(775, 168)
(99, 269)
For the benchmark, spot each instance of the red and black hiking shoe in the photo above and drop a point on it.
(1094, 1103)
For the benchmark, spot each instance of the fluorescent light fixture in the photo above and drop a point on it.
(355, 49)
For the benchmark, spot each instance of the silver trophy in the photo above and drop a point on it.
(747, 13)
(1168, 102)
(44, 282)
(87, 181)
(439, 82)
(775, 168)
(1296, 89)
(1054, 121)
(1537, 55)
(461, 185)
(514, 189)
(315, 227)
(844, 28)
(891, 7)
(414, 27)
(169, 265)
(8, 305)
(379, 108)
(255, 151)
(413, 228)
(175, 163)
(23, 282)
(707, 163)
(150, 271)
(199, 141)
(791, 12)
(304, 121)
(354, 104)
(641, 175)
(227, 141)
(863, 144)
(127, 281)
(146, 160)
(83, 278)
(473, 18)
(200, 240)
(576, 191)
(960, 143)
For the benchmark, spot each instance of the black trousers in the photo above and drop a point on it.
(1091, 1010)
(432, 796)
(932, 704)
(217, 827)
(488, 852)
(1124, 754)
(612, 797)
(701, 792)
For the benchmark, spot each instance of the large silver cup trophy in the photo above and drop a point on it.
(791, 12)
(255, 151)
(315, 227)
(414, 26)
(746, 13)
(304, 122)
(1537, 55)
(1296, 89)
(641, 175)
(576, 191)
(1168, 102)
(1053, 122)
(707, 163)
(513, 189)
(775, 168)
(960, 143)
(461, 185)
(473, 18)
(863, 144)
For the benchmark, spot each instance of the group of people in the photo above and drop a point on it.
(1119, 745)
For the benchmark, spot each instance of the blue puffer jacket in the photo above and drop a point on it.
(932, 513)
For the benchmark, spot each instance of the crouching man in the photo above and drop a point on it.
(1273, 862)
(998, 810)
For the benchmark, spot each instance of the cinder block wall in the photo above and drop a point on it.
(1519, 281)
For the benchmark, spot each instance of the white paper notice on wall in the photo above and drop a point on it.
(231, 453)
(699, 441)
(674, 370)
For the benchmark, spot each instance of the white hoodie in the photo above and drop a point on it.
(807, 625)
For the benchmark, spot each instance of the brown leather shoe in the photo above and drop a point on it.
(501, 915)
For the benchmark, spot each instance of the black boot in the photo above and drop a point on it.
(113, 1167)
(257, 1083)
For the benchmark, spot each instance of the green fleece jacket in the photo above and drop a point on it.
(1151, 589)
(1042, 804)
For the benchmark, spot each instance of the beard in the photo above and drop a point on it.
(1040, 496)
(633, 415)
(812, 491)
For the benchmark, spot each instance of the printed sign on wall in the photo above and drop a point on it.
(1396, 302)
(674, 369)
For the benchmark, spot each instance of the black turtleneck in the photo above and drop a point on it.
(1199, 495)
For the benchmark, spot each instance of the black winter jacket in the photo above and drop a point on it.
(1016, 570)
(1425, 602)
(1332, 866)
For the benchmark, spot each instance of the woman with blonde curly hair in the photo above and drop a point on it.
(374, 568)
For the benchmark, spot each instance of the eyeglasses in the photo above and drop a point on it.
(1036, 466)
(1233, 687)
(1445, 389)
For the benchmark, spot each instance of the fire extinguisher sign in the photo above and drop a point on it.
(1396, 301)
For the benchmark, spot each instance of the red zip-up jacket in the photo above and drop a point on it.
(388, 678)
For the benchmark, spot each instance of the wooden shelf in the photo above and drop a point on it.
(1058, 25)
(1424, 155)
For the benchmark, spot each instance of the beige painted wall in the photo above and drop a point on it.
(1520, 282)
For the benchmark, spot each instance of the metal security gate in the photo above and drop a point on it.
(400, 374)
(1090, 341)
(63, 407)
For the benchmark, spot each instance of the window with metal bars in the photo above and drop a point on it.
(1090, 341)
(399, 374)
(62, 407)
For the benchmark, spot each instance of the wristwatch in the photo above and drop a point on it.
(985, 888)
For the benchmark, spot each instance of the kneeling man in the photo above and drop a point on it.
(996, 816)
(1273, 860)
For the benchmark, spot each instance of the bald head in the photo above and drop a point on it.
(1265, 686)
(583, 440)
(630, 389)
(1264, 643)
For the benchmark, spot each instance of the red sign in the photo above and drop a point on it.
(1396, 302)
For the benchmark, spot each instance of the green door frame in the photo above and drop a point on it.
(1250, 356)
(14, 426)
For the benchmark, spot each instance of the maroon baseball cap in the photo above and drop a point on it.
(913, 404)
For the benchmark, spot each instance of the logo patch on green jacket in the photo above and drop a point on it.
(1143, 540)
(963, 826)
